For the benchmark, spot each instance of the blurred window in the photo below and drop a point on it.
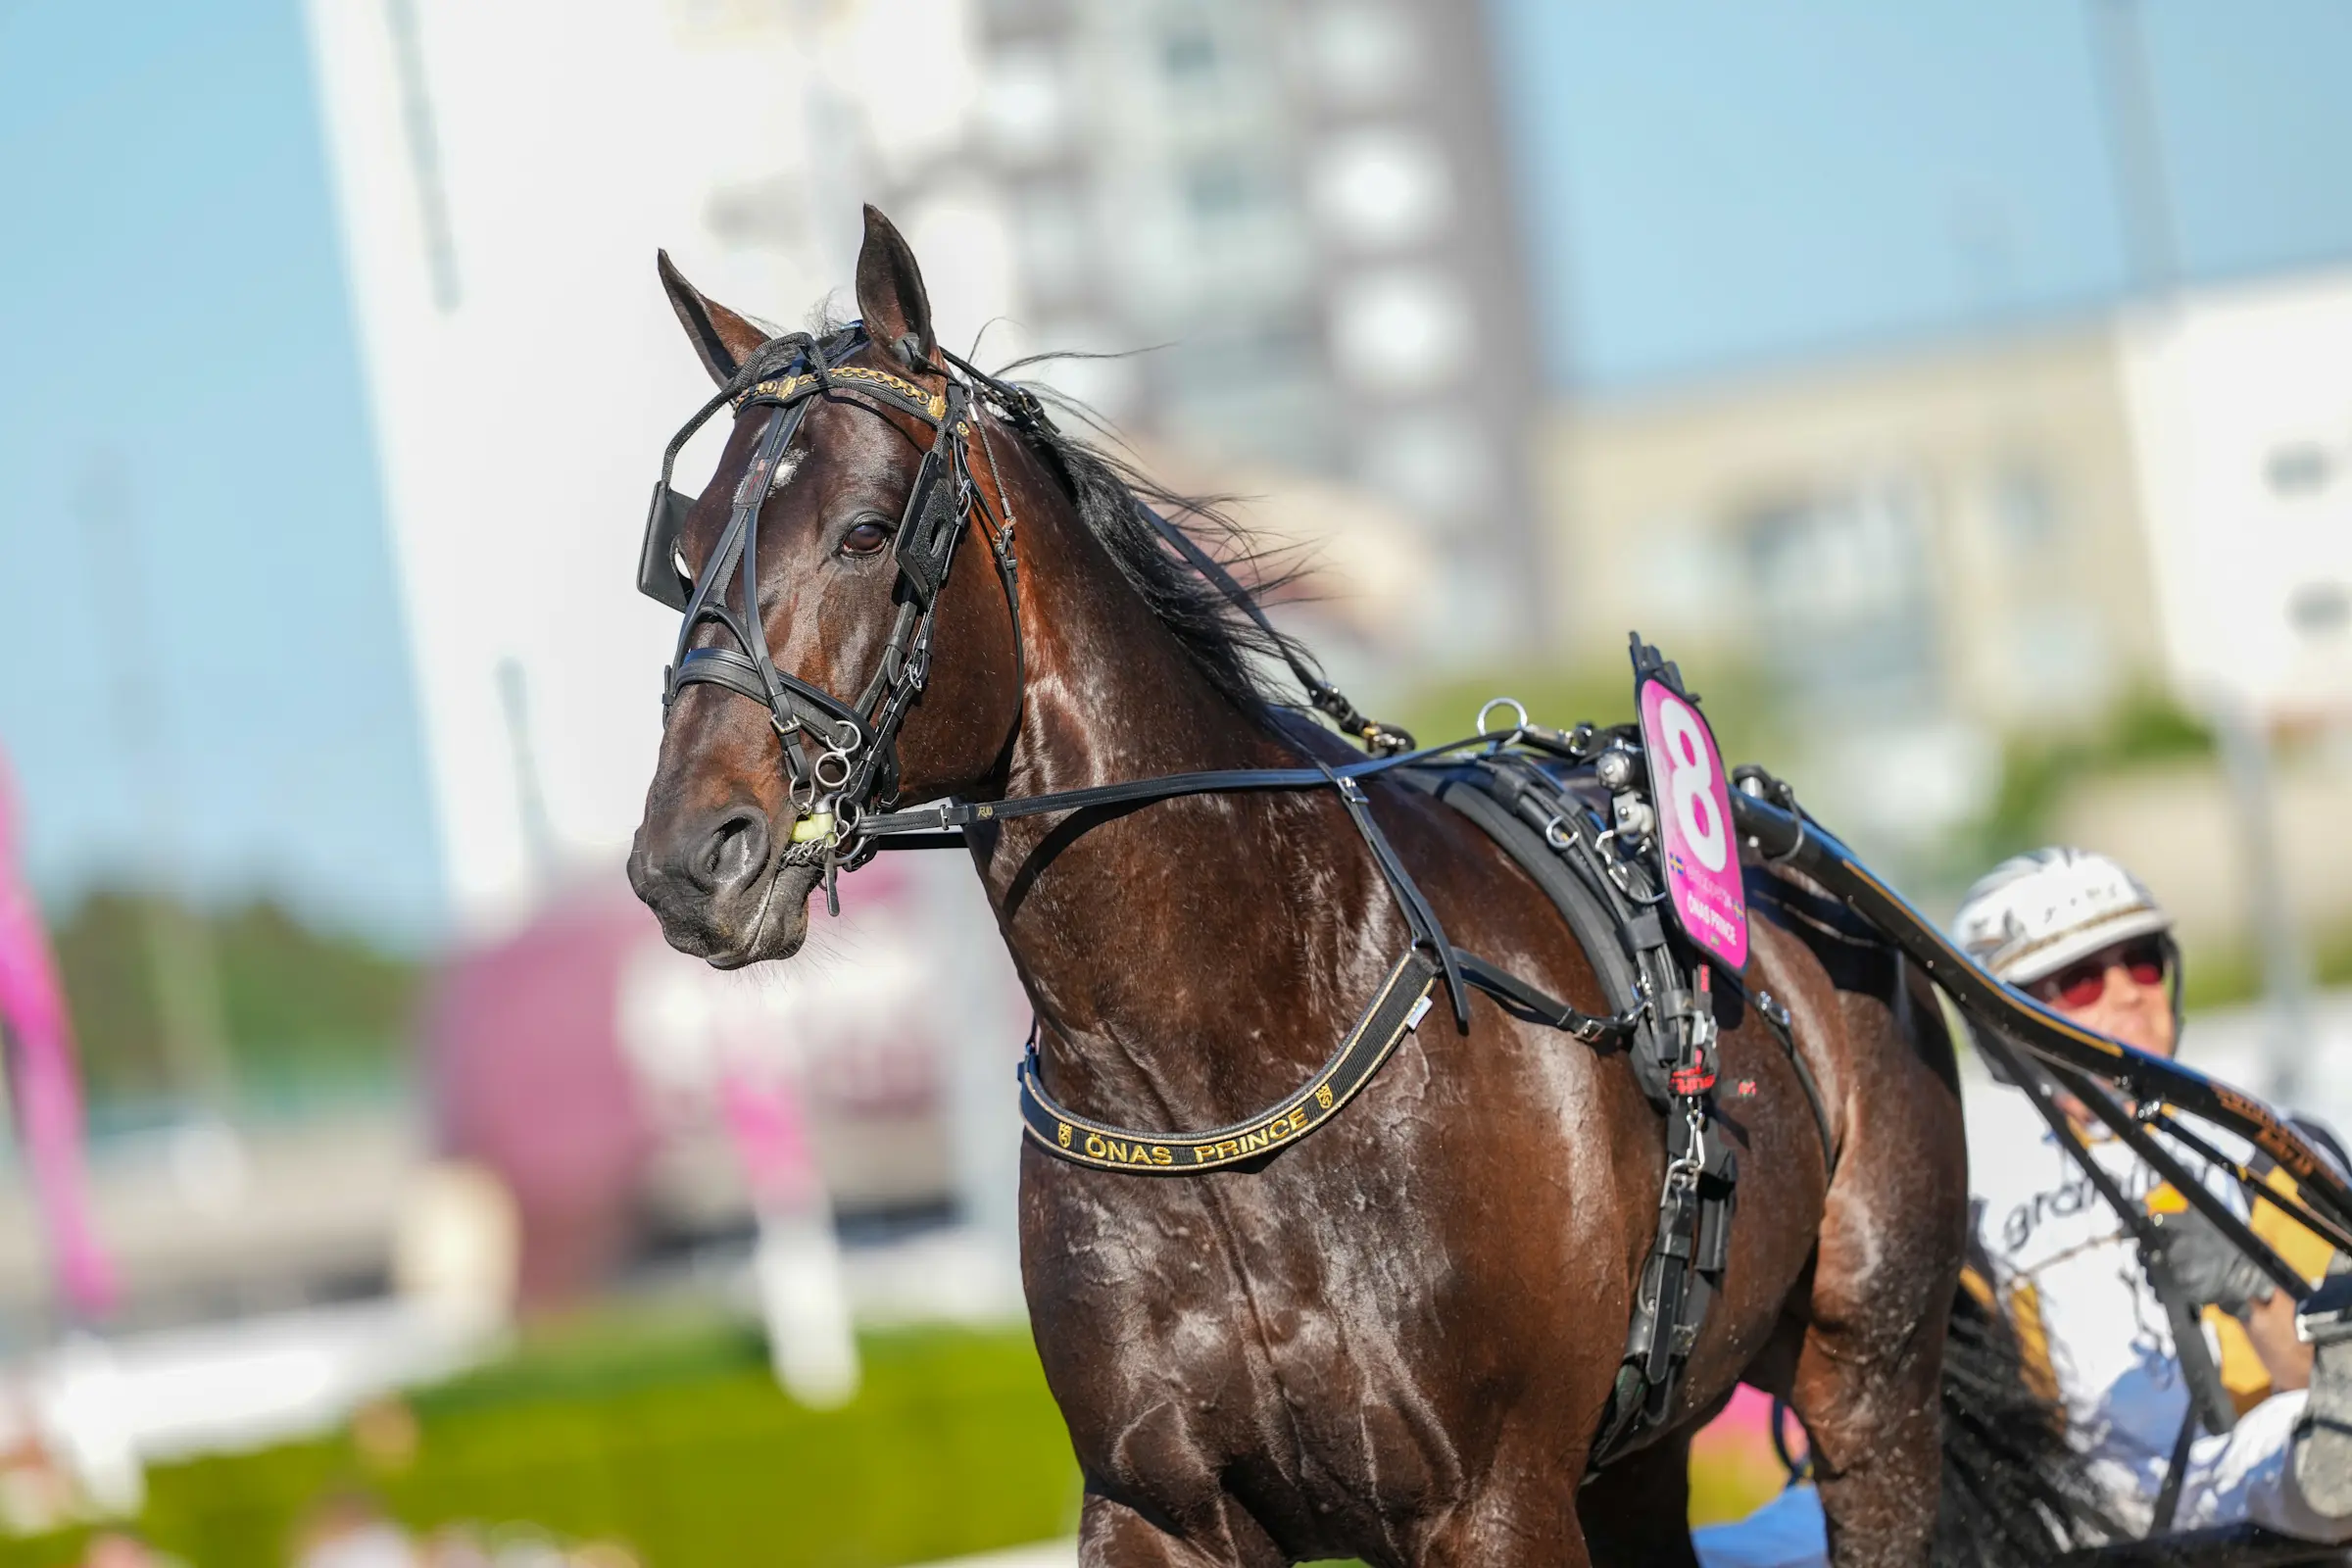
(1028, 105)
(2059, 660)
(1188, 52)
(2024, 508)
(1217, 190)
(1362, 53)
(2320, 609)
(2299, 468)
(1401, 329)
(1843, 596)
(1245, 386)
(1055, 241)
(1381, 189)
(757, 212)
(1434, 462)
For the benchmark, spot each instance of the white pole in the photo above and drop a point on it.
(2285, 968)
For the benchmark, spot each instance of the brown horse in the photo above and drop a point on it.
(1396, 1337)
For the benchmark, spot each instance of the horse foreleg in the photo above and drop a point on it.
(1113, 1535)
(1870, 1367)
(1521, 1514)
(1874, 1429)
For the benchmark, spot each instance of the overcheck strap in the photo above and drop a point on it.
(1064, 1134)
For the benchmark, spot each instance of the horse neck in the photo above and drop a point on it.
(1220, 925)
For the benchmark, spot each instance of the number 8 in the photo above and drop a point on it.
(1691, 783)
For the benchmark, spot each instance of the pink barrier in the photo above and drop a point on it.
(44, 1083)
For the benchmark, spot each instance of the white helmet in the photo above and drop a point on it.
(2033, 914)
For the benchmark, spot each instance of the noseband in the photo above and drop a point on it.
(840, 758)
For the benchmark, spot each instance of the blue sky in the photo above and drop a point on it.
(1703, 188)
(1705, 185)
(171, 307)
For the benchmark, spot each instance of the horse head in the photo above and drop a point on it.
(839, 652)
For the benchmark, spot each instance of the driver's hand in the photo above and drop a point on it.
(2208, 1269)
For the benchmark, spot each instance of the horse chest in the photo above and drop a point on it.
(1193, 1337)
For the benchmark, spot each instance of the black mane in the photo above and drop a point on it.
(1239, 657)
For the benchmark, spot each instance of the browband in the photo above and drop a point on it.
(930, 407)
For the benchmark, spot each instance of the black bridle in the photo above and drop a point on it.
(840, 758)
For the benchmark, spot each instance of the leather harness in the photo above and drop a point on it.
(1529, 789)
(841, 762)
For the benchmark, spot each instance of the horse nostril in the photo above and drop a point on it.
(733, 854)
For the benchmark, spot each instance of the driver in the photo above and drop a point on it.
(2083, 937)
(2086, 939)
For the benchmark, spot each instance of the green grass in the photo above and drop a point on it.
(2036, 770)
(668, 1435)
(674, 1441)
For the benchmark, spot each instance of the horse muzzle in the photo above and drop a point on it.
(715, 884)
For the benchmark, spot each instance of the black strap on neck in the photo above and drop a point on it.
(941, 816)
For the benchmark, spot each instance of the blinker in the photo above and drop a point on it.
(659, 577)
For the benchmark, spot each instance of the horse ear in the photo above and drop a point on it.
(722, 338)
(890, 293)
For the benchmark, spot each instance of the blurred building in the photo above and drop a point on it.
(1924, 548)
(2241, 400)
(202, 1223)
(587, 1065)
(506, 175)
(1304, 204)
(1953, 529)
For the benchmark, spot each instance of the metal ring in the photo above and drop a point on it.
(1558, 834)
(818, 770)
(1794, 844)
(1492, 703)
(855, 737)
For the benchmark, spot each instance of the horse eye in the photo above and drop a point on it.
(867, 537)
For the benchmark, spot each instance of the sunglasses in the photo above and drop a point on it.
(2084, 982)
